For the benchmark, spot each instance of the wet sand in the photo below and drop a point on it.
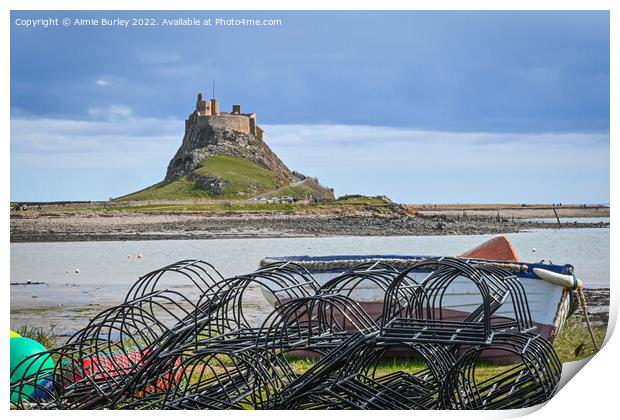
(148, 226)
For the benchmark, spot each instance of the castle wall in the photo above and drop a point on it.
(208, 113)
(234, 122)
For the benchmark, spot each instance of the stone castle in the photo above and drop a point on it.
(207, 113)
(209, 132)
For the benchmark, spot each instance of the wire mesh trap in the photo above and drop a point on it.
(184, 338)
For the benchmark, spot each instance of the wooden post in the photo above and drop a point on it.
(557, 218)
(584, 308)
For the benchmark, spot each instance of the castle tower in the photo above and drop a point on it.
(215, 107)
(203, 107)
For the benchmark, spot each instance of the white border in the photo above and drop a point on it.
(592, 393)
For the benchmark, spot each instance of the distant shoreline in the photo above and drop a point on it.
(165, 221)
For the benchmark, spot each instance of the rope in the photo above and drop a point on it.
(584, 308)
(394, 262)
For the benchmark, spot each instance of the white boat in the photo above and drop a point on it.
(548, 288)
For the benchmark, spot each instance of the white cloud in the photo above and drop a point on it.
(358, 135)
(106, 142)
(112, 112)
(109, 81)
(416, 165)
(404, 163)
(394, 155)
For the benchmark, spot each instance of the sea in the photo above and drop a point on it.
(79, 279)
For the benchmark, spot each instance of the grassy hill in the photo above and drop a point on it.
(235, 177)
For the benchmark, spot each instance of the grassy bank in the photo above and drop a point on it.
(574, 342)
(353, 204)
(240, 178)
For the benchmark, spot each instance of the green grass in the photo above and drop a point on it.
(215, 207)
(241, 206)
(299, 192)
(174, 190)
(243, 179)
(45, 337)
(574, 342)
(309, 188)
(241, 175)
(362, 200)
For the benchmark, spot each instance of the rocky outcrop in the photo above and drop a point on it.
(212, 184)
(201, 141)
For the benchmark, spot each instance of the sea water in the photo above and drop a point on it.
(81, 278)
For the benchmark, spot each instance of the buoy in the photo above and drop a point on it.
(109, 364)
(14, 334)
(44, 390)
(38, 367)
(563, 280)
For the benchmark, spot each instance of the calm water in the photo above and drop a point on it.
(106, 272)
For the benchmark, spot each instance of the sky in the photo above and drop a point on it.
(425, 107)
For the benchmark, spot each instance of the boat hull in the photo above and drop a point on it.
(549, 303)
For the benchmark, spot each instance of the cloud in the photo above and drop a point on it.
(111, 112)
(407, 164)
(101, 143)
(363, 135)
(439, 166)
(109, 81)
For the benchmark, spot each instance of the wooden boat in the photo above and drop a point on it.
(548, 287)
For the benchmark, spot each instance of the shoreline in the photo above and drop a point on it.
(124, 226)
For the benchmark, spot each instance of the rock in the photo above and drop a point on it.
(205, 140)
(212, 184)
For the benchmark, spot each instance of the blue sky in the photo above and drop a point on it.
(421, 106)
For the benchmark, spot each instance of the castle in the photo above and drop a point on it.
(207, 112)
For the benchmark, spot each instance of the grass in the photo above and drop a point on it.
(242, 179)
(44, 337)
(242, 176)
(574, 342)
(174, 190)
(214, 207)
(362, 200)
(308, 189)
(299, 192)
(251, 206)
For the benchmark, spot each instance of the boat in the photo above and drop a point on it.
(548, 287)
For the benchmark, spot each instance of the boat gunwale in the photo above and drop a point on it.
(330, 263)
